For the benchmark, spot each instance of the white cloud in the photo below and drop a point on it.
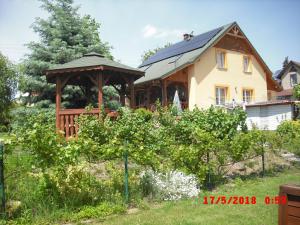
(150, 31)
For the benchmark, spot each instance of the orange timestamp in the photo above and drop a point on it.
(239, 200)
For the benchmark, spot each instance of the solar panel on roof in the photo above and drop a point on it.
(182, 47)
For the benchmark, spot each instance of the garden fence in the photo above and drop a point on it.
(15, 167)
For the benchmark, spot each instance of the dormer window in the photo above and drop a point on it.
(247, 64)
(221, 59)
(293, 79)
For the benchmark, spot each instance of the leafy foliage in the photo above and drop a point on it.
(289, 136)
(100, 211)
(8, 85)
(64, 36)
(199, 143)
(207, 139)
(296, 91)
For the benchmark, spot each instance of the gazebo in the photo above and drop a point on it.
(91, 70)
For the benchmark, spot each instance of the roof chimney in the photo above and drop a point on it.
(187, 37)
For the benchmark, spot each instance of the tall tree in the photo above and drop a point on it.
(8, 85)
(64, 36)
(147, 54)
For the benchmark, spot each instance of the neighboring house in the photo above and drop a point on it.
(288, 77)
(218, 67)
(268, 115)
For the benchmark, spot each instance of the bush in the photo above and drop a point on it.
(205, 140)
(173, 185)
(289, 132)
(100, 211)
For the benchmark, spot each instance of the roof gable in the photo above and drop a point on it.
(291, 64)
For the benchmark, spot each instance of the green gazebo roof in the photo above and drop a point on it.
(91, 62)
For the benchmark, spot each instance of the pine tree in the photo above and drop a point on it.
(64, 36)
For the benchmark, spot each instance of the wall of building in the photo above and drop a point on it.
(286, 82)
(204, 76)
(268, 117)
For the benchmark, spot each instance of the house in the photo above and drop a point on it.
(269, 115)
(288, 77)
(218, 67)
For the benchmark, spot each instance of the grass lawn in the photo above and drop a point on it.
(188, 212)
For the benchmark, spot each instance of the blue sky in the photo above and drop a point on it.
(134, 26)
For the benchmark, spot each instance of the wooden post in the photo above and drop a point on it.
(58, 101)
(132, 97)
(100, 91)
(186, 86)
(164, 92)
(148, 97)
(122, 94)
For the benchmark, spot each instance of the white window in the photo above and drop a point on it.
(293, 79)
(221, 94)
(247, 95)
(221, 59)
(247, 64)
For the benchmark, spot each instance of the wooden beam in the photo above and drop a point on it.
(58, 100)
(132, 97)
(122, 94)
(92, 78)
(100, 91)
(117, 89)
(236, 35)
(64, 81)
(164, 92)
(148, 97)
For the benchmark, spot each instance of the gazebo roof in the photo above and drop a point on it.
(91, 62)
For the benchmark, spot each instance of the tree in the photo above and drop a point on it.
(64, 36)
(296, 91)
(8, 85)
(285, 62)
(146, 55)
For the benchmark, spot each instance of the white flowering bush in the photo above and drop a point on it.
(173, 185)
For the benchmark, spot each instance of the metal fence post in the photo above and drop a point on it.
(2, 191)
(126, 176)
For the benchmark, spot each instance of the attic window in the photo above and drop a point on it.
(293, 79)
(247, 64)
(221, 59)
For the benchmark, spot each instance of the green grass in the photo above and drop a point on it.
(188, 212)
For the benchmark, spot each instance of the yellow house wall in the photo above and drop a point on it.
(204, 76)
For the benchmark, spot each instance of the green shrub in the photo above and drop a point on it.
(99, 212)
(289, 133)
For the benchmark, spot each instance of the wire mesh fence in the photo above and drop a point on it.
(15, 166)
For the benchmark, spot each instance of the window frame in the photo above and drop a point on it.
(225, 58)
(293, 74)
(249, 71)
(226, 97)
(252, 94)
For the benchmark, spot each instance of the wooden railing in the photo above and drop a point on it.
(68, 117)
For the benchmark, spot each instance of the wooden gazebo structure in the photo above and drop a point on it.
(90, 70)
